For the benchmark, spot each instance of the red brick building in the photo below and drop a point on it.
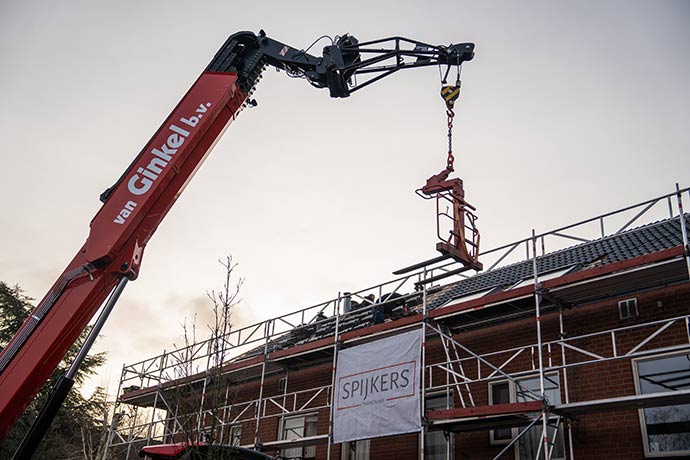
(589, 359)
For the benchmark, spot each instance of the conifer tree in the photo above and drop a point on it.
(77, 431)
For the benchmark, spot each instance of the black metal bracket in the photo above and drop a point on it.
(342, 62)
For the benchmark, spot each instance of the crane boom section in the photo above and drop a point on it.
(152, 175)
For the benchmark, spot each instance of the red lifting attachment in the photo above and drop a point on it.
(462, 241)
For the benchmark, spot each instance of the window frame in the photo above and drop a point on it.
(304, 417)
(512, 396)
(346, 445)
(627, 303)
(234, 430)
(467, 297)
(640, 412)
(450, 403)
(546, 276)
(512, 391)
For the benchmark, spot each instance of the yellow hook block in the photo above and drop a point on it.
(450, 94)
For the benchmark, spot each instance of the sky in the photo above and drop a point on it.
(569, 110)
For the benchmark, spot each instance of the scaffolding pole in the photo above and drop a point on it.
(537, 300)
(155, 401)
(113, 425)
(683, 227)
(336, 347)
(131, 432)
(561, 331)
(446, 434)
(554, 437)
(267, 333)
(225, 415)
(201, 430)
(422, 390)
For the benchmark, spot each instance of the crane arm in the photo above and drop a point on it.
(117, 238)
(134, 207)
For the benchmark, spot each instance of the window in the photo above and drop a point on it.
(468, 297)
(627, 308)
(236, 435)
(355, 450)
(542, 277)
(527, 389)
(437, 445)
(300, 426)
(665, 430)
(500, 394)
(529, 443)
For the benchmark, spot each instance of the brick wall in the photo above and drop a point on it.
(613, 435)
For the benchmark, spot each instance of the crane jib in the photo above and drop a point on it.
(140, 182)
(153, 172)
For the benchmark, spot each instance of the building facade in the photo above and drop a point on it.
(579, 352)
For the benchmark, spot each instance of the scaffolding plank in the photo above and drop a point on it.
(295, 442)
(485, 411)
(484, 417)
(667, 398)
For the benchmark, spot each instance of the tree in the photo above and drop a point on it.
(77, 429)
(199, 414)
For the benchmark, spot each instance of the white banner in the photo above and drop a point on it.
(377, 388)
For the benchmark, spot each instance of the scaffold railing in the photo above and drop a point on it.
(462, 367)
(491, 366)
(198, 356)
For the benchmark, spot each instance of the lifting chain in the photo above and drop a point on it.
(450, 95)
(451, 158)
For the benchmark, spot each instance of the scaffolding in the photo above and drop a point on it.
(146, 413)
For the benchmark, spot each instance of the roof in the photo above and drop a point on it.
(640, 241)
(637, 242)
